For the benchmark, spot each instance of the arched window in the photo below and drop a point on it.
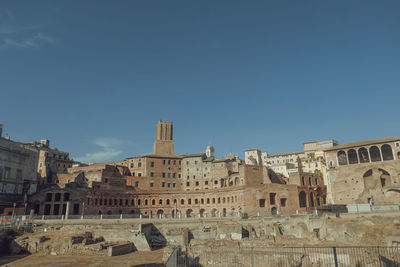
(363, 155)
(342, 158)
(153, 202)
(303, 181)
(302, 199)
(309, 181)
(160, 202)
(352, 154)
(387, 153)
(167, 201)
(375, 154)
(182, 201)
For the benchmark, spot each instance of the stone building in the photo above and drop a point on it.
(18, 172)
(364, 171)
(170, 185)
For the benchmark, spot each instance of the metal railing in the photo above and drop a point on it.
(287, 256)
(16, 223)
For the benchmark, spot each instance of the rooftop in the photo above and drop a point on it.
(364, 143)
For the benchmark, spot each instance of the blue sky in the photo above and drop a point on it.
(94, 77)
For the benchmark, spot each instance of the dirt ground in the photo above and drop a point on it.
(138, 258)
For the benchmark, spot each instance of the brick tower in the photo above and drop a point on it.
(163, 145)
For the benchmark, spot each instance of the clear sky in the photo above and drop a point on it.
(94, 77)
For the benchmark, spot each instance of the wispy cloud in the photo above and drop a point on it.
(109, 149)
(13, 35)
(33, 41)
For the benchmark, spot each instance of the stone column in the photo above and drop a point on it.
(67, 210)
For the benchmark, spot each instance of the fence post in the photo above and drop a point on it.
(101, 216)
(335, 257)
(379, 257)
(252, 256)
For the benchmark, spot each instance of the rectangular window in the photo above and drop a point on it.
(151, 184)
(163, 162)
(174, 162)
(137, 184)
(169, 162)
(174, 175)
(163, 175)
(139, 164)
(261, 203)
(174, 185)
(272, 198)
(187, 162)
(197, 183)
(187, 183)
(132, 165)
(169, 184)
(49, 196)
(7, 172)
(179, 175)
(139, 174)
(163, 184)
(152, 164)
(283, 202)
(152, 174)
(169, 175)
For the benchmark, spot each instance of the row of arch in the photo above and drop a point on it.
(167, 202)
(364, 155)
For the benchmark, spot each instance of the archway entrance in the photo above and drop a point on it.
(160, 213)
(214, 212)
(274, 211)
(189, 213)
(202, 213)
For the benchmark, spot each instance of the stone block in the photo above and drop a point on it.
(120, 249)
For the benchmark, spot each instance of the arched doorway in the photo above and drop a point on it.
(189, 213)
(274, 211)
(302, 199)
(160, 213)
(214, 212)
(202, 212)
(224, 212)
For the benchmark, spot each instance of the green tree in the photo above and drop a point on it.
(299, 165)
